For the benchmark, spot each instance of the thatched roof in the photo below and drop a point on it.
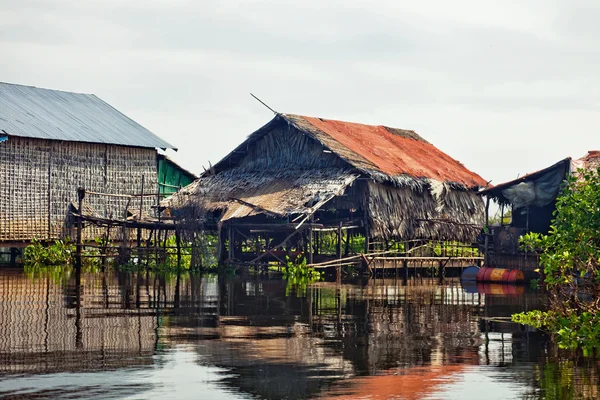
(278, 194)
(294, 165)
(386, 154)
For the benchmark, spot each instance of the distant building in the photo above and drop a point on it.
(53, 142)
(531, 201)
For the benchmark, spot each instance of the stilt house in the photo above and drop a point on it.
(53, 142)
(299, 175)
(531, 201)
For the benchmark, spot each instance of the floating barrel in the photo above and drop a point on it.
(486, 274)
(516, 276)
(469, 273)
(480, 273)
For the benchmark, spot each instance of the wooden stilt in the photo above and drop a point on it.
(338, 252)
(310, 240)
(347, 247)
(139, 230)
(231, 239)
(178, 243)
(80, 196)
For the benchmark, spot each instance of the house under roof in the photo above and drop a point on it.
(533, 196)
(393, 181)
(54, 142)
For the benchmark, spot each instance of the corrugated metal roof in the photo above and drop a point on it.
(32, 112)
(386, 150)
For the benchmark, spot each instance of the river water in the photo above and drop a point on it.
(140, 336)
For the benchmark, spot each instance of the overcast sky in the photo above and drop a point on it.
(505, 87)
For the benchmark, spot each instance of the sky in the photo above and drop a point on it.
(506, 87)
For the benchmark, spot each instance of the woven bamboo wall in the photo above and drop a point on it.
(40, 178)
(24, 189)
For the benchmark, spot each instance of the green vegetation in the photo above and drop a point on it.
(162, 259)
(570, 260)
(58, 253)
(299, 276)
(499, 219)
(567, 380)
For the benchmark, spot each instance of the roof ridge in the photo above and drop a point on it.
(45, 88)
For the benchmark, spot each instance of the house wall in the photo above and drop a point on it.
(408, 213)
(171, 176)
(40, 178)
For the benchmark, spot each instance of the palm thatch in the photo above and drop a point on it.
(403, 186)
(238, 193)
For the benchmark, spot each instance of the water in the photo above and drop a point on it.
(138, 336)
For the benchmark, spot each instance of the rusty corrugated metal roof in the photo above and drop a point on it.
(386, 150)
(33, 112)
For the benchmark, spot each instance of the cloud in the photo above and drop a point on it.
(505, 87)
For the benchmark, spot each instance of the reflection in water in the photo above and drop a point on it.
(139, 335)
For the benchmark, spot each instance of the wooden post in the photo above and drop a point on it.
(310, 240)
(78, 330)
(178, 241)
(139, 230)
(338, 251)
(441, 267)
(347, 247)
(80, 196)
(487, 211)
(231, 239)
(405, 264)
(124, 228)
(157, 232)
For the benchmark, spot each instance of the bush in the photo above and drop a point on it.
(58, 253)
(570, 263)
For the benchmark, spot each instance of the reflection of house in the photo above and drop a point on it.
(270, 344)
(404, 383)
(42, 329)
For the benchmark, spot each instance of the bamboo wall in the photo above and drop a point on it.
(40, 178)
